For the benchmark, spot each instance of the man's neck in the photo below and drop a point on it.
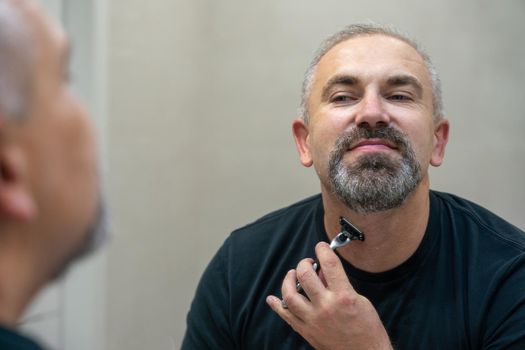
(391, 237)
(19, 281)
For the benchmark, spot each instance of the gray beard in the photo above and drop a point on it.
(375, 182)
(96, 236)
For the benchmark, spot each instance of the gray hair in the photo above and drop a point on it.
(15, 62)
(357, 30)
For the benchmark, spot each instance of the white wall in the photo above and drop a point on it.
(202, 96)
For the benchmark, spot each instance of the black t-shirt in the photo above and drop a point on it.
(10, 340)
(463, 288)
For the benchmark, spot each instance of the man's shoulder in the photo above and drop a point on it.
(13, 340)
(486, 222)
(282, 237)
(288, 213)
(278, 224)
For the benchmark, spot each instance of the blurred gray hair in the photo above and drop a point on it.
(15, 62)
(357, 30)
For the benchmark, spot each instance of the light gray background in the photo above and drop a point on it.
(201, 98)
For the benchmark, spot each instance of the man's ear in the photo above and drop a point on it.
(16, 199)
(301, 136)
(440, 142)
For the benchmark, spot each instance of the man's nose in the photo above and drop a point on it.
(371, 112)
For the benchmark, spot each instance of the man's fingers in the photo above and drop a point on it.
(285, 314)
(297, 303)
(276, 305)
(333, 271)
(310, 281)
(321, 277)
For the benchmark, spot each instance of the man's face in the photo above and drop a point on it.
(371, 123)
(58, 138)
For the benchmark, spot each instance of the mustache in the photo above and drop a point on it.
(359, 133)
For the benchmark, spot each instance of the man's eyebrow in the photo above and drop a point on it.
(341, 79)
(403, 80)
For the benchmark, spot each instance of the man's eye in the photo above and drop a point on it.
(342, 98)
(399, 97)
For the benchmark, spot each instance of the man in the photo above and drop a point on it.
(434, 271)
(50, 210)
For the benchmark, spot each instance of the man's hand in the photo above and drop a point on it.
(335, 317)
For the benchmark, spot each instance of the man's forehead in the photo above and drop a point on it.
(372, 45)
(373, 53)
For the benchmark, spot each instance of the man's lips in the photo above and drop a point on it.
(373, 145)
